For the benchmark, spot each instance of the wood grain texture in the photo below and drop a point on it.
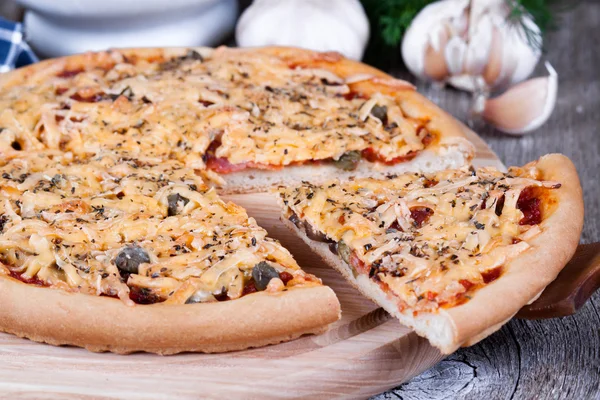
(547, 359)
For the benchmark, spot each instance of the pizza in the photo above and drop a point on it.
(453, 254)
(113, 236)
(122, 253)
(249, 119)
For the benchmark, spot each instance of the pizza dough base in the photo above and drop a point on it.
(523, 279)
(100, 324)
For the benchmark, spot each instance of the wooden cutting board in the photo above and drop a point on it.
(364, 353)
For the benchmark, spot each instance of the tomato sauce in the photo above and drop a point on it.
(420, 215)
(69, 73)
(285, 277)
(358, 264)
(372, 156)
(96, 97)
(222, 165)
(530, 206)
(491, 275)
(143, 296)
(30, 281)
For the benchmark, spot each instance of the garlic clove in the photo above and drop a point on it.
(454, 52)
(493, 68)
(524, 107)
(479, 46)
(434, 62)
(425, 30)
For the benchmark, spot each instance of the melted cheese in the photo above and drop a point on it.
(428, 260)
(66, 218)
(255, 105)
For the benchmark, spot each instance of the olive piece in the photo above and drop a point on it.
(348, 161)
(173, 201)
(57, 180)
(344, 251)
(295, 220)
(314, 234)
(380, 112)
(262, 273)
(130, 258)
(193, 55)
(333, 247)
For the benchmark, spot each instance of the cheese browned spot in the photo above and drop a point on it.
(257, 109)
(428, 240)
(142, 229)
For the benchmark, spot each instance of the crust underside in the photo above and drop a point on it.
(525, 277)
(454, 156)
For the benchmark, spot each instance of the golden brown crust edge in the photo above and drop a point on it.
(526, 276)
(105, 324)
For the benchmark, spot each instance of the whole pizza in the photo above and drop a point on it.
(113, 236)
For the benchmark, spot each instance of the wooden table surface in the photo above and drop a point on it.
(547, 359)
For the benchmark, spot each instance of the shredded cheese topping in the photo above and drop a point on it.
(68, 222)
(429, 240)
(254, 105)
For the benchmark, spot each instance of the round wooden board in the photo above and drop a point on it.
(363, 354)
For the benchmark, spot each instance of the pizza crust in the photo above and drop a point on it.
(522, 281)
(525, 277)
(105, 324)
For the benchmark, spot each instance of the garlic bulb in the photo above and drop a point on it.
(471, 44)
(323, 25)
(522, 108)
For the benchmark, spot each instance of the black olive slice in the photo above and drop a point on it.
(173, 201)
(262, 273)
(348, 161)
(380, 112)
(130, 258)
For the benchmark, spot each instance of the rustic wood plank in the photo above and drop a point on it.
(549, 359)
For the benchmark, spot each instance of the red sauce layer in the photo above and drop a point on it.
(222, 165)
(491, 275)
(420, 215)
(530, 206)
(69, 73)
(372, 156)
(30, 281)
(143, 296)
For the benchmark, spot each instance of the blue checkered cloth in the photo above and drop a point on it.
(14, 51)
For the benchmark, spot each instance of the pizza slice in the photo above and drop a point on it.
(121, 253)
(251, 118)
(454, 254)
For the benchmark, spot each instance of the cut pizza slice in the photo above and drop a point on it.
(252, 118)
(120, 253)
(454, 254)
